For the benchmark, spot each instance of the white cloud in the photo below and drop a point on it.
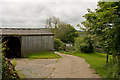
(19, 13)
(1, 15)
(36, 1)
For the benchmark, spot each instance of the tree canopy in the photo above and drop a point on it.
(66, 33)
(104, 23)
(63, 31)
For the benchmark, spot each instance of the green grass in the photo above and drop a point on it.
(43, 55)
(96, 60)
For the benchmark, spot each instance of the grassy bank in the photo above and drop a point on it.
(43, 55)
(96, 60)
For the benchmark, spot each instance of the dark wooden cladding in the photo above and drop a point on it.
(32, 40)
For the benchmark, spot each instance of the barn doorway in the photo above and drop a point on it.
(13, 47)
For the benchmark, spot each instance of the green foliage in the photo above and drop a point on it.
(104, 23)
(14, 62)
(84, 44)
(113, 69)
(58, 45)
(8, 71)
(66, 33)
(43, 55)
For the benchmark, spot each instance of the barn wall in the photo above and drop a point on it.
(32, 44)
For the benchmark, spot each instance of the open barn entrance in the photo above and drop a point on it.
(13, 47)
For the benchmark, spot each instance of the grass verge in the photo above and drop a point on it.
(43, 55)
(96, 60)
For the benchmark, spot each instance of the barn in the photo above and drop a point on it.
(25, 41)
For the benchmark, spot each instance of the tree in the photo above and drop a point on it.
(84, 44)
(52, 22)
(66, 33)
(105, 24)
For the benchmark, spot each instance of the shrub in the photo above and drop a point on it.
(58, 45)
(83, 44)
(112, 69)
(8, 69)
(14, 62)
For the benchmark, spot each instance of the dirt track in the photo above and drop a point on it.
(67, 67)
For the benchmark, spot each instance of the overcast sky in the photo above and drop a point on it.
(33, 13)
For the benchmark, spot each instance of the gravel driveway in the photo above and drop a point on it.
(68, 66)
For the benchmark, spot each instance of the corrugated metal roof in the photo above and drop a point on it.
(22, 31)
